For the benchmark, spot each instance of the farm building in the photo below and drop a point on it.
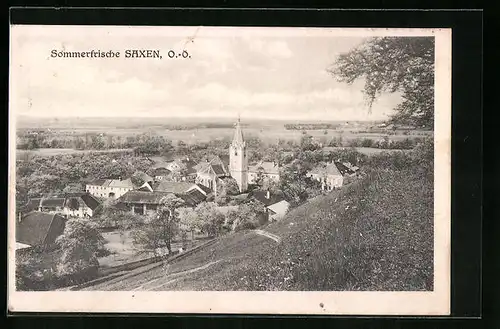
(72, 205)
(276, 206)
(144, 203)
(328, 175)
(110, 188)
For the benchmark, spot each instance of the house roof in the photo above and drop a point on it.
(142, 197)
(121, 183)
(268, 167)
(261, 196)
(98, 182)
(193, 197)
(53, 202)
(83, 197)
(279, 207)
(143, 176)
(343, 169)
(204, 189)
(218, 170)
(113, 183)
(172, 187)
(328, 170)
(39, 228)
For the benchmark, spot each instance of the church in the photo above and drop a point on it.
(209, 172)
(238, 163)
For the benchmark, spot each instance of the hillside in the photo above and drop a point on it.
(376, 235)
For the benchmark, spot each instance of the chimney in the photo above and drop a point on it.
(268, 194)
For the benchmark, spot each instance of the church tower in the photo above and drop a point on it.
(238, 165)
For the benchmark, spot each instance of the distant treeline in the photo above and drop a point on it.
(187, 126)
(310, 126)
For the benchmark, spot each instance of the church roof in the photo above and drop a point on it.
(238, 134)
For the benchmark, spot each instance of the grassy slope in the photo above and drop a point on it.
(377, 235)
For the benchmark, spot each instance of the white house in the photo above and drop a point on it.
(109, 188)
(328, 175)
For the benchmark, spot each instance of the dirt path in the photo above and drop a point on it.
(268, 235)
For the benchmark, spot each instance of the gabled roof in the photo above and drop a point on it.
(113, 183)
(193, 197)
(142, 197)
(279, 207)
(172, 187)
(327, 170)
(261, 196)
(343, 169)
(218, 170)
(143, 176)
(127, 183)
(39, 228)
(83, 197)
(98, 182)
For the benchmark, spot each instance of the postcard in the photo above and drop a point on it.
(235, 170)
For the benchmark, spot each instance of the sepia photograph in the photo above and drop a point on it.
(229, 170)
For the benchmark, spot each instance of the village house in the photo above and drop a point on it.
(110, 188)
(38, 230)
(80, 204)
(328, 175)
(146, 202)
(276, 205)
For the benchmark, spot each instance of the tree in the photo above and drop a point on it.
(80, 244)
(259, 178)
(212, 218)
(190, 221)
(167, 218)
(394, 64)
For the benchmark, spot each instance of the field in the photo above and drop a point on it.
(47, 152)
(267, 131)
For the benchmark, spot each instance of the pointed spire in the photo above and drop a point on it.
(238, 134)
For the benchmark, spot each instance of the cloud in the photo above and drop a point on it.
(272, 48)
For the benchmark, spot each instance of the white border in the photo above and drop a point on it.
(436, 302)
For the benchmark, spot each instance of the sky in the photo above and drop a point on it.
(231, 72)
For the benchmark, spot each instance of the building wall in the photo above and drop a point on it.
(329, 182)
(205, 179)
(238, 166)
(81, 212)
(104, 191)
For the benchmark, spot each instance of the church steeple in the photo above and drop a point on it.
(238, 134)
(238, 165)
